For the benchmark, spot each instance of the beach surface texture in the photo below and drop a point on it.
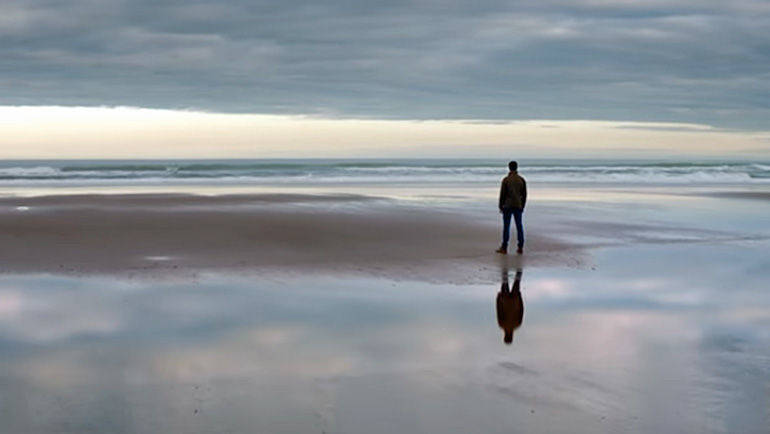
(348, 296)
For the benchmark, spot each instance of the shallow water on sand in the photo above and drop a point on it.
(654, 339)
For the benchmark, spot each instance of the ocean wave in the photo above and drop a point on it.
(25, 172)
(378, 172)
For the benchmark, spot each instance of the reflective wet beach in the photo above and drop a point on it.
(664, 326)
(654, 339)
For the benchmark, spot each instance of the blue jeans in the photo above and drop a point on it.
(517, 214)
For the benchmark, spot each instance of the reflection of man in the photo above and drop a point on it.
(510, 308)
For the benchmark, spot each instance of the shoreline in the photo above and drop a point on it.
(171, 305)
(135, 235)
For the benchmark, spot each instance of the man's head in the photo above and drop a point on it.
(512, 166)
(508, 338)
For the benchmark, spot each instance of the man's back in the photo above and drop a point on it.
(513, 192)
(510, 310)
(513, 199)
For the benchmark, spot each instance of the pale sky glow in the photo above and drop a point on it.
(124, 132)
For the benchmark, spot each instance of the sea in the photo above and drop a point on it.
(41, 173)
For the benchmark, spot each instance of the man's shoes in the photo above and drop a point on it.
(520, 250)
(502, 251)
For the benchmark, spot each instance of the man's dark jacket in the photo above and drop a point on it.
(513, 192)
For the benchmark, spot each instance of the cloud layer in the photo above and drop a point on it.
(685, 61)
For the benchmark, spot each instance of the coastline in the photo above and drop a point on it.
(180, 234)
(169, 305)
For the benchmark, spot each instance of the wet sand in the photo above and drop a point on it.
(350, 313)
(184, 233)
(673, 340)
(756, 195)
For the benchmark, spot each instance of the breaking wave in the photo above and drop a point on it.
(375, 171)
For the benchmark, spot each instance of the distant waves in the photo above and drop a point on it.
(373, 171)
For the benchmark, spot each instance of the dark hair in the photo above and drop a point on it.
(513, 166)
(508, 338)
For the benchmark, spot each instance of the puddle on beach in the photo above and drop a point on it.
(673, 339)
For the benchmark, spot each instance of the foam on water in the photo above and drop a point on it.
(20, 173)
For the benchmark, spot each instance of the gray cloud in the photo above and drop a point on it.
(704, 61)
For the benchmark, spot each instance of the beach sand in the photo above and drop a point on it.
(346, 313)
(182, 233)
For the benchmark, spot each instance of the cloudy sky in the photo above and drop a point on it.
(703, 64)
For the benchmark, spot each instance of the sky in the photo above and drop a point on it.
(364, 78)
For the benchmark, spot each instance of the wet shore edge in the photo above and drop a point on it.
(175, 234)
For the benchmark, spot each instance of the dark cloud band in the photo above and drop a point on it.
(705, 62)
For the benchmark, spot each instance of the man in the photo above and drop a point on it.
(513, 198)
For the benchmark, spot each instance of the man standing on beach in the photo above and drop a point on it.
(513, 198)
